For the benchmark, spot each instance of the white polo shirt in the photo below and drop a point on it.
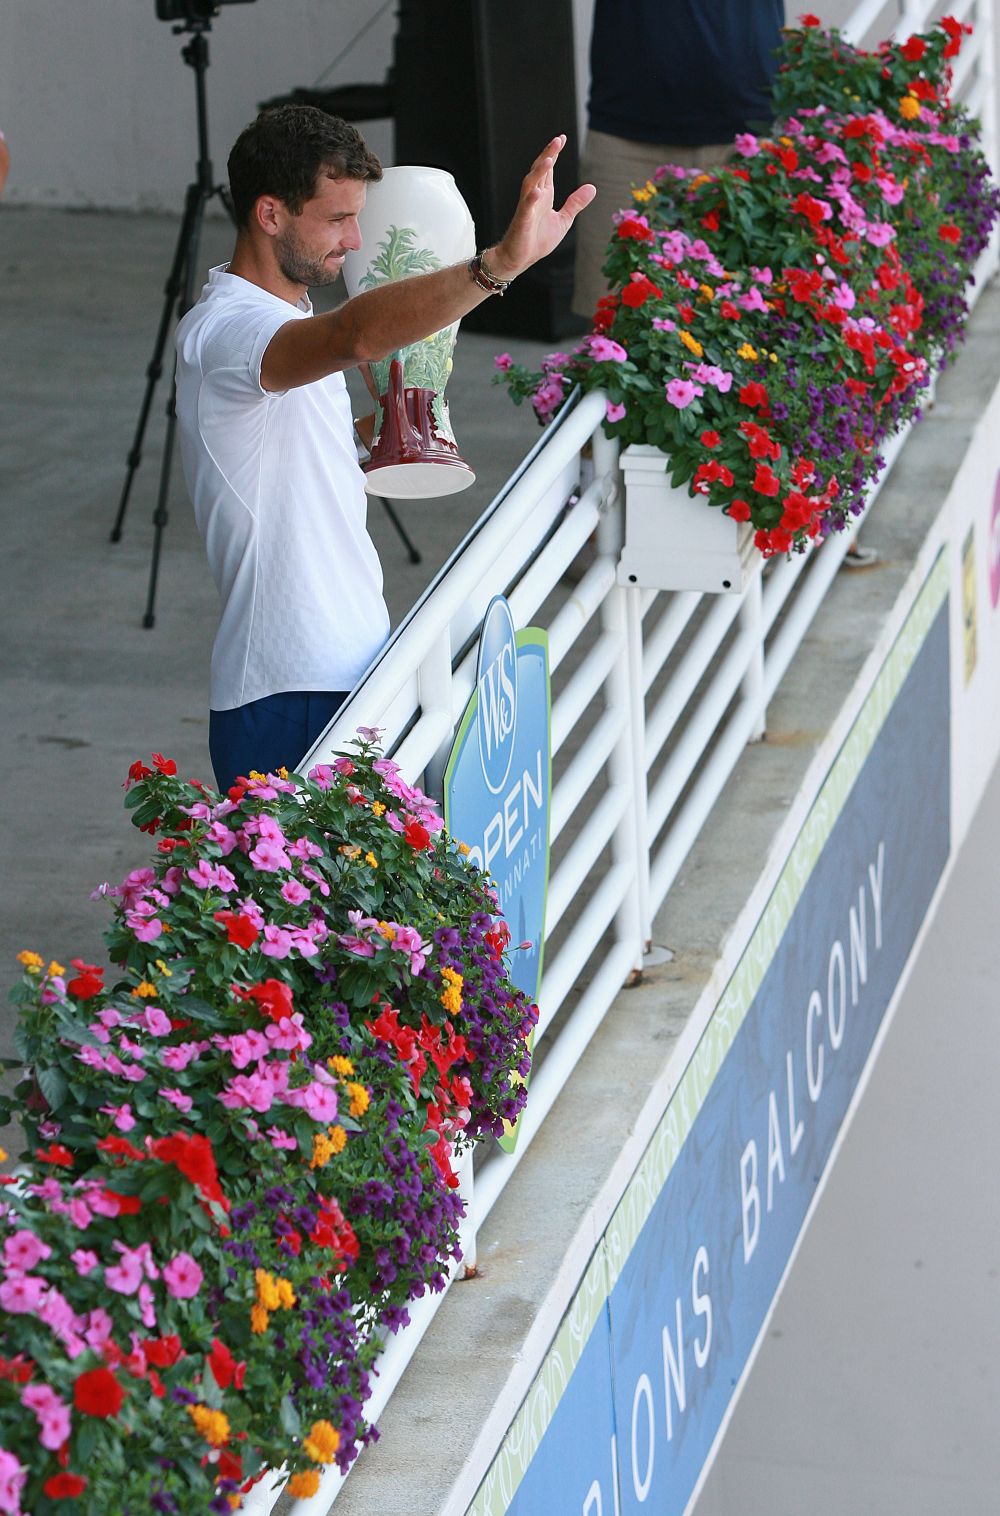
(279, 499)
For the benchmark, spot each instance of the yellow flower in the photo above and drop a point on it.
(786, 141)
(699, 180)
(32, 961)
(322, 1442)
(258, 1318)
(338, 1138)
(371, 860)
(54, 970)
(340, 1065)
(909, 107)
(349, 852)
(464, 849)
(452, 997)
(3, 1155)
(706, 292)
(387, 931)
(167, 973)
(267, 1290)
(359, 1099)
(646, 192)
(378, 809)
(772, 357)
(256, 777)
(282, 773)
(746, 351)
(692, 344)
(143, 990)
(301, 1486)
(213, 1425)
(323, 1151)
(286, 1295)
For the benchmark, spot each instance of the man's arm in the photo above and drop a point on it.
(376, 323)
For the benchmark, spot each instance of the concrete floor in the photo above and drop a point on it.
(876, 1388)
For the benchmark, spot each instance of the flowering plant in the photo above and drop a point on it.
(772, 322)
(241, 1142)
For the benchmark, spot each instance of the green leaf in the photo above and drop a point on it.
(53, 1084)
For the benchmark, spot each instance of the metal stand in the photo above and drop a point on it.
(178, 290)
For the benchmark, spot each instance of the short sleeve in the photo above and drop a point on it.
(236, 341)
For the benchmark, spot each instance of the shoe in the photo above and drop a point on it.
(860, 557)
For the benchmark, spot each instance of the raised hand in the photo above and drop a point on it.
(537, 227)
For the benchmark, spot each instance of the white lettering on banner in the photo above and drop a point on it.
(592, 1506)
(506, 829)
(645, 1390)
(702, 1307)
(751, 1198)
(673, 1369)
(814, 1052)
(775, 1157)
(496, 699)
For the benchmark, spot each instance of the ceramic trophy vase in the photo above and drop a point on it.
(414, 221)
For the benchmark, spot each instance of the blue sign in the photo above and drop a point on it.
(687, 1305)
(498, 784)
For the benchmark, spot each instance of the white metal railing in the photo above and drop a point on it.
(655, 696)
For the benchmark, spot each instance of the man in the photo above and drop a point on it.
(266, 431)
(671, 81)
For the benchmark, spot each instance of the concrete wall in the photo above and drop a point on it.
(98, 107)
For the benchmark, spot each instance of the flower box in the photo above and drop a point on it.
(673, 540)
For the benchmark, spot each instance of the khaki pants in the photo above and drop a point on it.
(614, 165)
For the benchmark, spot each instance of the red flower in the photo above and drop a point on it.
(754, 395)
(949, 233)
(119, 1147)
(64, 1486)
(808, 19)
(128, 1205)
(711, 221)
(165, 765)
(162, 1352)
(728, 311)
(710, 439)
(88, 982)
(195, 1159)
(239, 928)
(273, 998)
(225, 1369)
(638, 291)
(236, 792)
(766, 481)
(913, 50)
(137, 771)
(630, 228)
(55, 1154)
(416, 835)
(808, 206)
(19, 1370)
(230, 1465)
(98, 1393)
(739, 510)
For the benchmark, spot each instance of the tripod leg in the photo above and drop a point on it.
(172, 290)
(160, 515)
(412, 552)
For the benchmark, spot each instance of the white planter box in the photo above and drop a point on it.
(677, 541)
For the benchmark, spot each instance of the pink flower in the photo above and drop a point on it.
(294, 892)
(99, 1328)
(321, 775)
(22, 1293)
(880, 233)
(13, 1477)
(183, 1277)
(753, 300)
(664, 324)
(503, 361)
(310, 873)
(681, 392)
(57, 1313)
(146, 928)
(125, 1277)
(289, 1034)
(280, 1139)
(277, 942)
(23, 1250)
(177, 1058)
(146, 1310)
(319, 1102)
(267, 857)
(223, 837)
(84, 1261)
(248, 1090)
(747, 145)
(605, 350)
(52, 1412)
(156, 1022)
(614, 412)
(178, 1098)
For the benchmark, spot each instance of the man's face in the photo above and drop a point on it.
(311, 246)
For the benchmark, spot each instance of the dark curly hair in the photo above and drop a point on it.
(284, 152)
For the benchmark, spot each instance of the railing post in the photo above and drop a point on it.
(467, 1229)
(751, 619)
(434, 690)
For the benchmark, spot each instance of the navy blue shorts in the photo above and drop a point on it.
(269, 734)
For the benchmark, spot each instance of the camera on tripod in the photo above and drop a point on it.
(192, 10)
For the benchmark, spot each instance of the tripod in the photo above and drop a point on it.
(177, 292)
